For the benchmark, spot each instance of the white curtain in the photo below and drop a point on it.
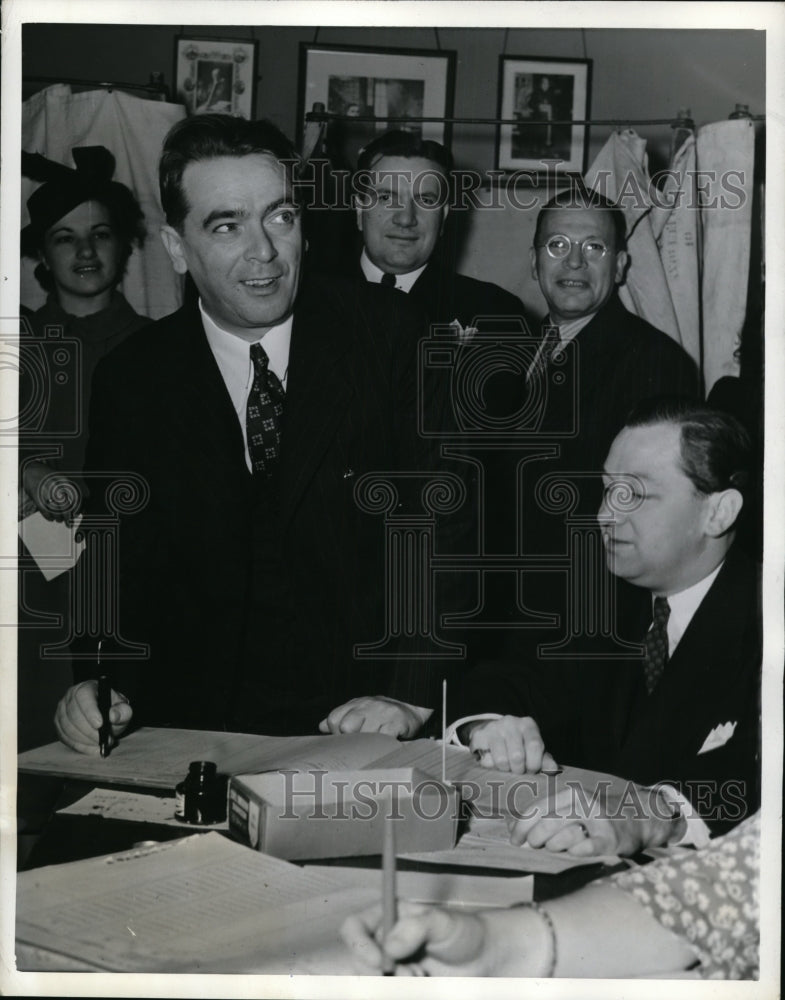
(689, 241)
(621, 172)
(726, 150)
(54, 121)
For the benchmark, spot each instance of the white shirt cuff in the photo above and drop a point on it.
(696, 833)
(451, 733)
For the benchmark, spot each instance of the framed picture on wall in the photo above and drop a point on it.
(375, 85)
(545, 97)
(216, 75)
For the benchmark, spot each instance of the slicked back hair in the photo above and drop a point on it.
(716, 451)
(407, 144)
(580, 198)
(205, 137)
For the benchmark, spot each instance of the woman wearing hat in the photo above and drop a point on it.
(82, 230)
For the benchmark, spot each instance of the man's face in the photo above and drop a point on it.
(241, 240)
(405, 213)
(659, 538)
(572, 286)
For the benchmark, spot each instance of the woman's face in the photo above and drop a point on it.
(84, 253)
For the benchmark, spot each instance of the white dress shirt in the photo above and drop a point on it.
(403, 282)
(683, 605)
(233, 357)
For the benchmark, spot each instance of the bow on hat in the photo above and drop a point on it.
(64, 188)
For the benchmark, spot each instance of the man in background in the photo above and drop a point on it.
(401, 212)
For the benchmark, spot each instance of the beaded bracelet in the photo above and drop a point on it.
(551, 968)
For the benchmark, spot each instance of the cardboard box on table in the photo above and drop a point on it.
(330, 814)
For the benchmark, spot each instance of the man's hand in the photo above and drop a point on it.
(77, 718)
(376, 714)
(511, 744)
(622, 820)
(53, 494)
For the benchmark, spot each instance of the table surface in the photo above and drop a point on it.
(48, 837)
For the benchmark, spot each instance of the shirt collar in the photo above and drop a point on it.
(231, 349)
(684, 604)
(403, 282)
(568, 331)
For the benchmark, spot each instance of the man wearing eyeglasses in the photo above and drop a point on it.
(594, 363)
(608, 358)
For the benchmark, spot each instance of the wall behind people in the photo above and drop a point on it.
(708, 71)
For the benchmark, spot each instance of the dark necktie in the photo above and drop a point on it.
(264, 414)
(388, 280)
(655, 656)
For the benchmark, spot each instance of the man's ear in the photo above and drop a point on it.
(358, 212)
(533, 259)
(445, 213)
(622, 262)
(723, 511)
(173, 244)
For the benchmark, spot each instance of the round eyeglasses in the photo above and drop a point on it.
(559, 247)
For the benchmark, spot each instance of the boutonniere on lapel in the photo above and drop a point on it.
(463, 333)
(718, 737)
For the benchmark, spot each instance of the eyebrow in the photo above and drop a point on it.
(642, 476)
(242, 213)
(70, 229)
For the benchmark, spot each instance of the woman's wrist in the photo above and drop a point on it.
(520, 942)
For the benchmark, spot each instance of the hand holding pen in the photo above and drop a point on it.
(78, 719)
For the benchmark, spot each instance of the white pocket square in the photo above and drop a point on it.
(464, 333)
(718, 737)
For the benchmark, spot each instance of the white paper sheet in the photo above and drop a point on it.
(159, 758)
(52, 544)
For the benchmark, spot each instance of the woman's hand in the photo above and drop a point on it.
(432, 941)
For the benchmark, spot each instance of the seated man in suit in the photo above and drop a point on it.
(688, 711)
(250, 571)
(401, 213)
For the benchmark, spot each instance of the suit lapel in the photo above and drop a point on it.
(202, 406)
(317, 394)
(697, 676)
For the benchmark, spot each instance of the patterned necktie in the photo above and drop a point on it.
(655, 656)
(388, 280)
(550, 343)
(264, 413)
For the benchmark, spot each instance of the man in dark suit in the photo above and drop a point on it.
(402, 205)
(688, 711)
(595, 361)
(251, 414)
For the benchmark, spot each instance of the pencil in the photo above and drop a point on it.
(388, 893)
(104, 706)
(444, 730)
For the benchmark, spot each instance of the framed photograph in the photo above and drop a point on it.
(545, 96)
(216, 75)
(381, 83)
